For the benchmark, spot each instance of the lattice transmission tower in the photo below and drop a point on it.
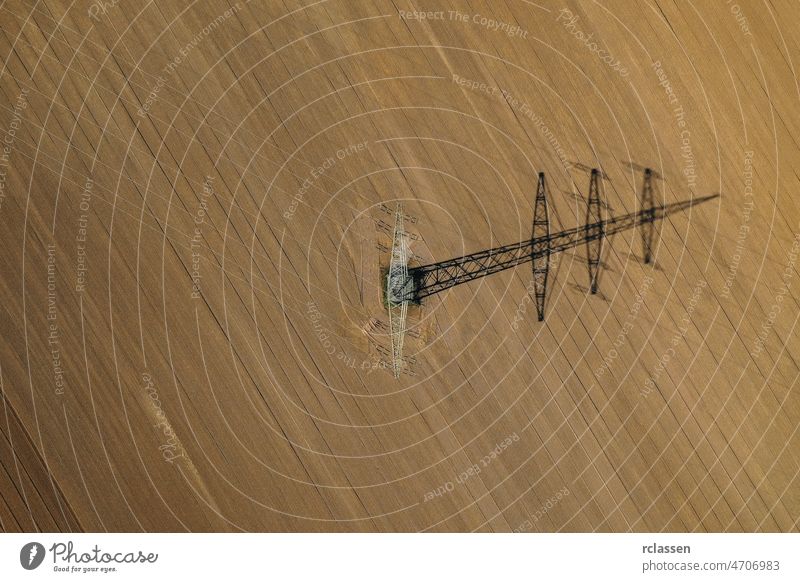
(406, 285)
(398, 287)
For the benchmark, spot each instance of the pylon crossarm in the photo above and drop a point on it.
(594, 220)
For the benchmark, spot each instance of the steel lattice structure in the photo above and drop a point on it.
(594, 244)
(397, 286)
(541, 250)
(427, 280)
(648, 204)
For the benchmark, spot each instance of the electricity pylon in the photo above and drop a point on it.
(405, 285)
(397, 289)
(648, 204)
(594, 217)
(541, 250)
